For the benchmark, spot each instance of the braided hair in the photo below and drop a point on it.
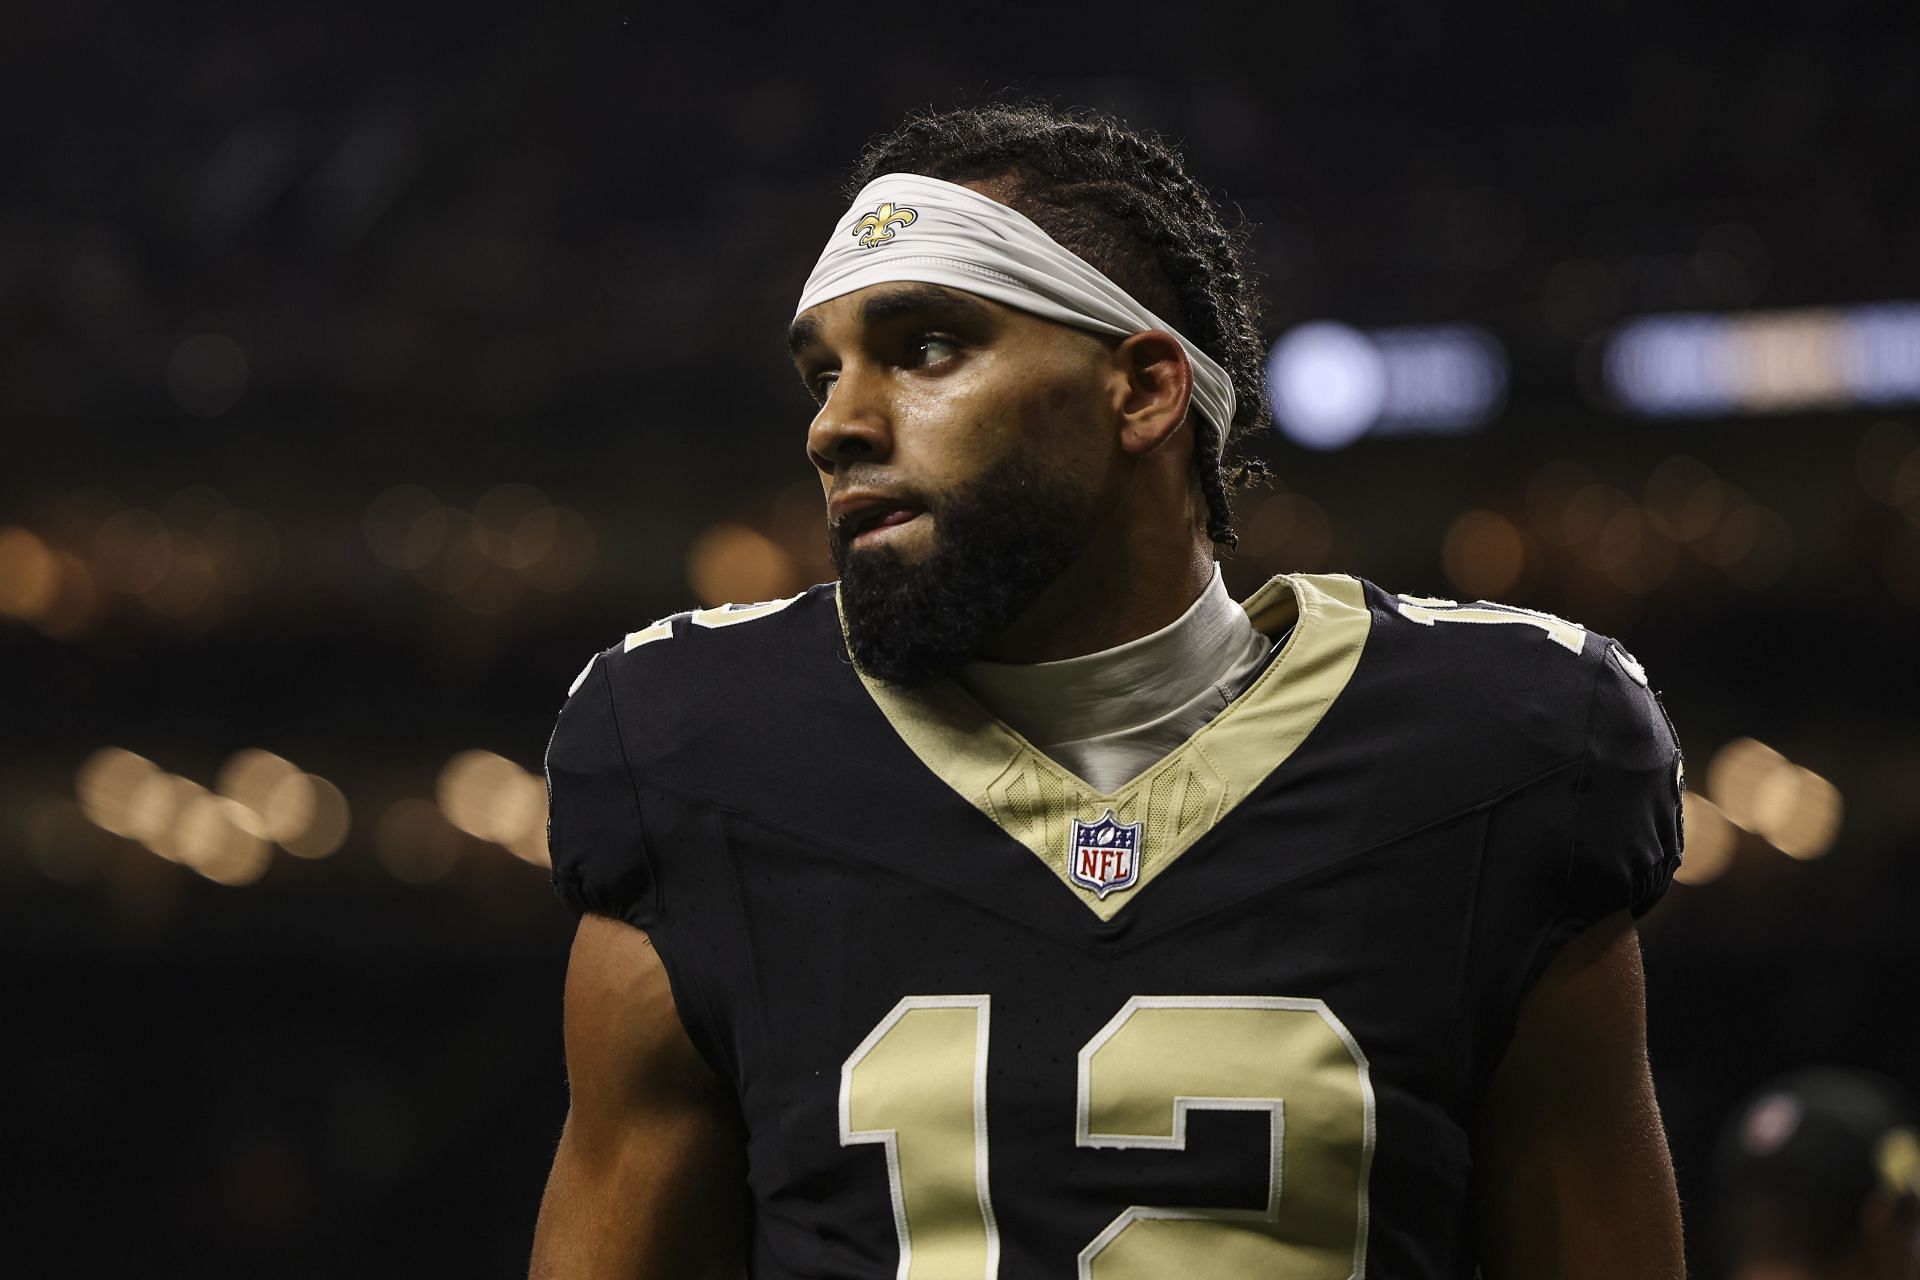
(1124, 201)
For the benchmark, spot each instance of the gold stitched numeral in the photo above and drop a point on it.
(1163, 1058)
(1570, 636)
(917, 1085)
(726, 615)
(732, 615)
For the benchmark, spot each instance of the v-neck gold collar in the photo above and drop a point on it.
(1187, 793)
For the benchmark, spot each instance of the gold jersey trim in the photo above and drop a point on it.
(1192, 788)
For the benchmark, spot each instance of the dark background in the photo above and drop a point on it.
(260, 266)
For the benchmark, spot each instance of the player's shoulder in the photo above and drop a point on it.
(689, 698)
(1488, 646)
(1530, 682)
(728, 642)
(731, 633)
(1458, 704)
(680, 676)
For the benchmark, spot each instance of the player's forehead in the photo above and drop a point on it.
(886, 302)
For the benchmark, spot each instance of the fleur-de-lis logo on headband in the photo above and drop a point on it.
(877, 227)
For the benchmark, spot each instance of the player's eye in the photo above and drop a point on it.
(822, 386)
(925, 350)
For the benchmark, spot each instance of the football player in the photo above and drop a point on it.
(1023, 906)
(1819, 1176)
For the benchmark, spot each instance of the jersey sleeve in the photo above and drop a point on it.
(1626, 818)
(1621, 825)
(1599, 836)
(594, 829)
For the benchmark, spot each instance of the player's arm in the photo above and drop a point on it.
(649, 1180)
(1572, 1177)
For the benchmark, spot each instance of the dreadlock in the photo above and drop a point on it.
(1125, 202)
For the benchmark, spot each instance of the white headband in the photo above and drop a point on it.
(907, 227)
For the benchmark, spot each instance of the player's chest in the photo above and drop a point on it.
(980, 1038)
(1382, 935)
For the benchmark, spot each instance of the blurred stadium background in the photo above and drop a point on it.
(363, 370)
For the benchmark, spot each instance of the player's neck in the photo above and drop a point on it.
(1106, 598)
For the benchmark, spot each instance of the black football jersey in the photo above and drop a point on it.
(1230, 1021)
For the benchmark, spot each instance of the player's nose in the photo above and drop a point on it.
(853, 425)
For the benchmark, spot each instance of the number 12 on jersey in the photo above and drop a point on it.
(917, 1086)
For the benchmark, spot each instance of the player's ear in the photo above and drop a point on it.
(1155, 382)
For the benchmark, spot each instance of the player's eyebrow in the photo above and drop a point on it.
(921, 299)
(913, 299)
(803, 332)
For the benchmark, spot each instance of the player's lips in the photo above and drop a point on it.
(864, 517)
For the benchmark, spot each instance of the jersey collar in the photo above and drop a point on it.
(1177, 801)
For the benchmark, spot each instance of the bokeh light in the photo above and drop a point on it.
(1684, 498)
(29, 575)
(485, 559)
(1799, 812)
(492, 798)
(415, 843)
(1327, 383)
(313, 813)
(405, 527)
(250, 776)
(112, 788)
(1711, 841)
(1738, 777)
(1791, 807)
(731, 563)
(1708, 364)
(218, 837)
(1483, 554)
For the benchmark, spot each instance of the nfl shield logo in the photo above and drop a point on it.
(1106, 854)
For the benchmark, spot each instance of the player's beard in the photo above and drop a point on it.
(997, 544)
